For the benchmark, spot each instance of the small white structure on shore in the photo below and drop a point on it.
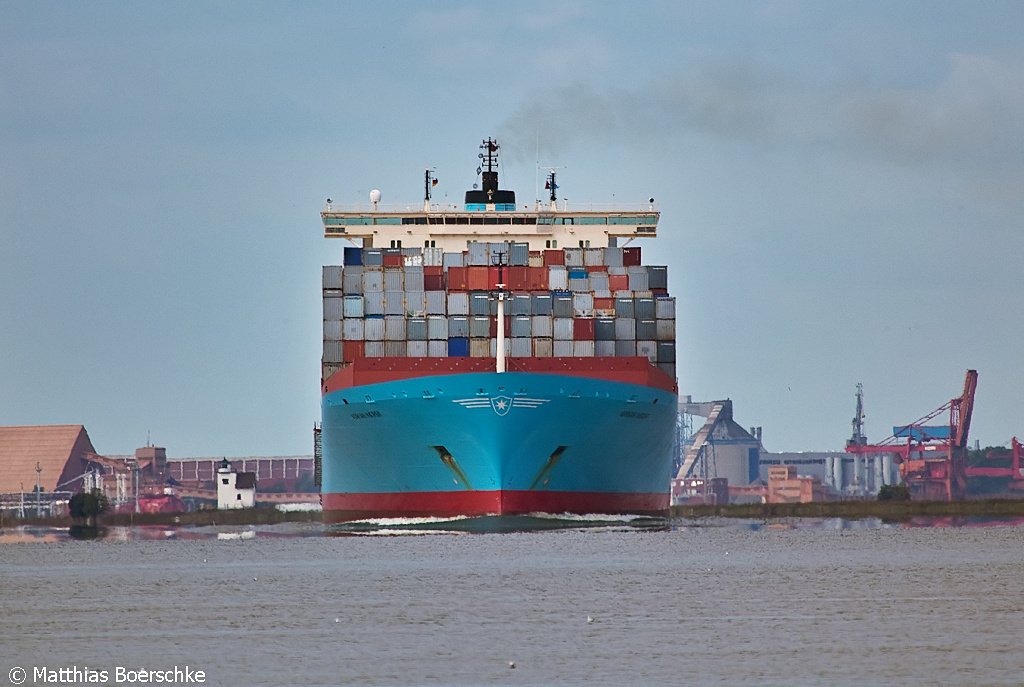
(235, 489)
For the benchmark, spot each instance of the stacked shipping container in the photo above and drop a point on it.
(574, 302)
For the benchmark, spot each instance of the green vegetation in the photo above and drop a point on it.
(894, 492)
(88, 506)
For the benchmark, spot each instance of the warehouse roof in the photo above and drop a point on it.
(60, 450)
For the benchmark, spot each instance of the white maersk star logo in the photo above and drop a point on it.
(501, 405)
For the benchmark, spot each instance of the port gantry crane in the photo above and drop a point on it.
(932, 458)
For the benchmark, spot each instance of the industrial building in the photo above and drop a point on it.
(41, 466)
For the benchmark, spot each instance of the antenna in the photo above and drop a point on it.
(429, 182)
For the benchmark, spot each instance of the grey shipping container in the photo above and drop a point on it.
(479, 303)
(394, 349)
(494, 347)
(522, 347)
(665, 330)
(666, 351)
(477, 254)
(332, 330)
(522, 326)
(437, 328)
(334, 308)
(373, 349)
(561, 306)
(613, 256)
(542, 326)
(394, 302)
(413, 278)
(521, 304)
(540, 304)
(625, 348)
(373, 329)
(562, 328)
(433, 257)
(353, 330)
(604, 329)
(437, 349)
(437, 302)
(574, 257)
(579, 285)
(625, 328)
(519, 254)
(458, 303)
(415, 303)
(645, 309)
(373, 257)
(583, 349)
(625, 307)
(583, 305)
(542, 347)
(332, 277)
(558, 278)
(657, 277)
(646, 329)
(604, 349)
(332, 352)
(452, 260)
(637, 278)
(352, 280)
(665, 308)
(479, 347)
(416, 349)
(416, 329)
(479, 326)
(394, 279)
(458, 326)
(373, 303)
(593, 257)
(648, 349)
(598, 282)
(561, 348)
(373, 281)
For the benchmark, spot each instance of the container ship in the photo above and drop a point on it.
(492, 359)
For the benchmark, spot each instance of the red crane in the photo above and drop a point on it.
(932, 459)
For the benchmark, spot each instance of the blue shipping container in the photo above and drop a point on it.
(353, 255)
(458, 347)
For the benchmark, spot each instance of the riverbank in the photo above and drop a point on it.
(850, 510)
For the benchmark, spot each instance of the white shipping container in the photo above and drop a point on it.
(332, 277)
(332, 352)
(583, 304)
(416, 349)
(332, 330)
(593, 257)
(562, 329)
(637, 278)
(373, 303)
(354, 306)
(452, 260)
(436, 302)
(437, 328)
(334, 308)
(394, 279)
(394, 328)
(374, 349)
(541, 326)
(574, 257)
(648, 349)
(458, 303)
(394, 302)
(352, 330)
(665, 308)
(352, 281)
(580, 285)
(437, 349)
(536, 261)
(373, 329)
(561, 349)
(542, 348)
(412, 260)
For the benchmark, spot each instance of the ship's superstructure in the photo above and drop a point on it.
(495, 359)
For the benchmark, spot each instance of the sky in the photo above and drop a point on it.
(841, 187)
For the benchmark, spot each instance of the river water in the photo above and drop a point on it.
(695, 603)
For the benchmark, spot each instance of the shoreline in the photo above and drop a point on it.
(849, 510)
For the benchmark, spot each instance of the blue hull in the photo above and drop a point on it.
(479, 443)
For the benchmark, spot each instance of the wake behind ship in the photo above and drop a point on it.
(493, 359)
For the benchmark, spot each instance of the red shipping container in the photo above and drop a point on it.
(631, 256)
(492, 277)
(516, 278)
(433, 282)
(393, 260)
(537, 278)
(508, 327)
(458, 279)
(583, 328)
(596, 268)
(618, 282)
(554, 257)
(659, 292)
(352, 350)
(604, 303)
(432, 270)
(476, 278)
